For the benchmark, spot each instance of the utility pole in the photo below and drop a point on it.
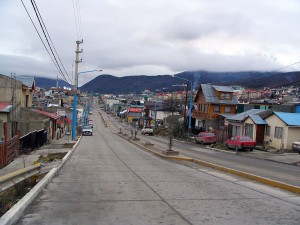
(74, 116)
(77, 61)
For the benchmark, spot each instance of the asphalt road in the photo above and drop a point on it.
(109, 181)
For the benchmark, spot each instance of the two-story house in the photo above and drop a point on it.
(213, 104)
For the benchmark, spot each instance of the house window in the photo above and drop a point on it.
(216, 108)
(249, 130)
(278, 132)
(225, 96)
(227, 109)
(268, 130)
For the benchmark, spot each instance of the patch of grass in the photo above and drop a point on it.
(51, 157)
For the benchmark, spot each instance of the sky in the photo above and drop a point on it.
(151, 37)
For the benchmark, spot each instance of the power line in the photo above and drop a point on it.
(40, 36)
(39, 19)
(51, 40)
(285, 67)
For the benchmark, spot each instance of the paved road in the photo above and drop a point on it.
(273, 170)
(109, 181)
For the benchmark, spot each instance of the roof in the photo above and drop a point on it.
(223, 88)
(27, 80)
(209, 92)
(244, 115)
(291, 119)
(257, 119)
(5, 106)
(49, 114)
(135, 110)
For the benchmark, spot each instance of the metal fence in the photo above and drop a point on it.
(33, 140)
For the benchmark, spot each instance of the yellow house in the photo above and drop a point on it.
(282, 130)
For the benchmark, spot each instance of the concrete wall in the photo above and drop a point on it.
(273, 121)
(293, 134)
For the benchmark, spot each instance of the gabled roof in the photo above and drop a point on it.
(258, 120)
(290, 119)
(243, 116)
(5, 106)
(27, 81)
(209, 92)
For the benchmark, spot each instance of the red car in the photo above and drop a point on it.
(206, 138)
(241, 142)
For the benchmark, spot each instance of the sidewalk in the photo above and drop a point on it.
(56, 146)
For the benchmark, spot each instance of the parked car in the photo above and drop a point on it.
(241, 142)
(147, 130)
(206, 138)
(87, 130)
(296, 146)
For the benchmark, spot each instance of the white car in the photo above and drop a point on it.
(87, 130)
(147, 130)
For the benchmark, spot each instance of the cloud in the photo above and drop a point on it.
(153, 37)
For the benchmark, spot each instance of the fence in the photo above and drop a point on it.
(8, 150)
(33, 140)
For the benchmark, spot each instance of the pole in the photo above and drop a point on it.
(191, 106)
(155, 116)
(74, 118)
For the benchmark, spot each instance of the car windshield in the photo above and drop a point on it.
(208, 135)
(88, 127)
(245, 138)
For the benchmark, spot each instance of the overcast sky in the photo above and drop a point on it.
(150, 37)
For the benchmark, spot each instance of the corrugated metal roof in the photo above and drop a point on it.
(291, 119)
(49, 114)
(210, 95)
(244, 115)
(257, 119)
(5, 106)
(223, 88)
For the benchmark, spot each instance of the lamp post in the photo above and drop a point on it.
(74, 113)
(191, 102)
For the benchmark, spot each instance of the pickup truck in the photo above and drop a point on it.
(87, 130)
(147, 130)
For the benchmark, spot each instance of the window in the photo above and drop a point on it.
(267, 131)
(227, 109)
(278, 132)
(216, 109)
(225, 96)
(249, 130)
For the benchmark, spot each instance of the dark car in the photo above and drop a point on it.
(241, 142)
(206, 138)
(296, 146)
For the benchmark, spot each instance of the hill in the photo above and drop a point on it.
(136, 84)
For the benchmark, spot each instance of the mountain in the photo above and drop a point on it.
(136, 84)
(43, 82)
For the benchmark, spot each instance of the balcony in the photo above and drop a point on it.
(204, 115)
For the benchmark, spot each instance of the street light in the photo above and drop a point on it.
(191, 103)
(74, 113)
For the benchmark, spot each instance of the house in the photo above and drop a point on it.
(255, 128)
(211, 101)
(237, 125)
(282, 130)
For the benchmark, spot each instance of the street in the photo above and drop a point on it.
(107, 180)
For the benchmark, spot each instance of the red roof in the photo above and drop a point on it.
(3, 105)
(136, 110)
(68, 120)
(49, 114)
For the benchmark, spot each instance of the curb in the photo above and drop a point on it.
(263, 180)
(15, 213)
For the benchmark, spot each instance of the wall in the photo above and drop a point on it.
(273, 121)
(250, 121)
(293, 134)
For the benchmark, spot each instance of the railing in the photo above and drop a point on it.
(13, 178)
(204, 115)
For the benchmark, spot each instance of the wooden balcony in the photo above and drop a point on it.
(203, 115)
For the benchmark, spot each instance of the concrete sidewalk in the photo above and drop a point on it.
(63, 145)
